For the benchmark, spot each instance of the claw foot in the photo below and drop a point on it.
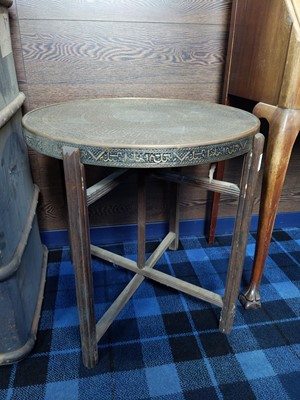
(250, 299)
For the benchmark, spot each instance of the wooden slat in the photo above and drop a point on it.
(219, 175)
(158, 276)
(209, 184)
(184, 11)
(114, 258)
(174, 201)
(68, 52)
(184, 287)
(158, 252)
(103, 187)
(108, 317)
(141, 220)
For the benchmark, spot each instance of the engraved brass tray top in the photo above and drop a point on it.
(139, 132)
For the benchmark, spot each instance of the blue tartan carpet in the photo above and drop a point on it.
(166, 345)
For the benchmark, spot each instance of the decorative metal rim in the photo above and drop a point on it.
(143, 157)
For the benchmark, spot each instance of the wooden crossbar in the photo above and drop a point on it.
(108, 317)
(161, 248)
(213, 185)
(160, 277)
(104, 186)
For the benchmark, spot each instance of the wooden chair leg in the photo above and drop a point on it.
(81, 256)
(241, 231)
(283, 131)
(141, 219)
(219, 174)
(174, 213)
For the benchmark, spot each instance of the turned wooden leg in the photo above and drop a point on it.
(81, 256)
(284, 125)
(219, 174)
(241, 231)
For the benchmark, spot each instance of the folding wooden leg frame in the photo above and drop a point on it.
(78, 198)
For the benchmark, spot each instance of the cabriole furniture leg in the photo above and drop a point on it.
(284, 125)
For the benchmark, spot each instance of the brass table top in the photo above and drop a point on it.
(141, 133)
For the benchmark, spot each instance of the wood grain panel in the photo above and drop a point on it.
(179, 11)
(42, 95)
(86, 52)
(257, 69)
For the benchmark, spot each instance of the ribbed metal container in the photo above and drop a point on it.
(23, 258)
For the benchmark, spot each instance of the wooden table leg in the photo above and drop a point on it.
(284, 125)
(141, 219)
(81, 256)
(219, 174)
(241, 231)
(174, 213)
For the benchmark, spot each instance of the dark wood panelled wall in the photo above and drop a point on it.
(74, 49)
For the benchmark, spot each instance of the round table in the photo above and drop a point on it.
(136, 133)
(145, 134)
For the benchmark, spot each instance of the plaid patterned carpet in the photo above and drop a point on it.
(166, 345)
